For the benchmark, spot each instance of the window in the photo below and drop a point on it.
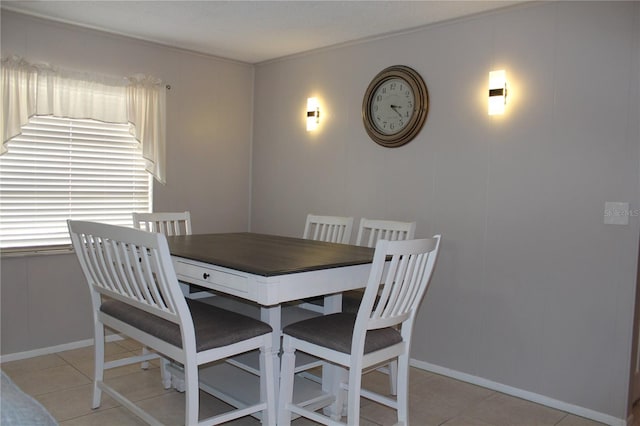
(60, 169)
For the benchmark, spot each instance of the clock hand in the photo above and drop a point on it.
(395, 108)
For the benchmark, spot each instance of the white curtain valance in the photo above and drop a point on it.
(29, 90)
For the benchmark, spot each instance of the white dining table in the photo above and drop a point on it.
(270, 271)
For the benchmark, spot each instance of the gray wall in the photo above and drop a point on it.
(532, 290)
(44, 300)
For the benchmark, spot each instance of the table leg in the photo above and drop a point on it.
(272, 316)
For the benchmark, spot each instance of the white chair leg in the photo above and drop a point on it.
(355, 384)
(191, 393)
(177, 381)
(287, 367)
(144, 364)
(98, 370)
(339, 408)
(164, 373)
(393, 377)
(403, 386)
(267, 386)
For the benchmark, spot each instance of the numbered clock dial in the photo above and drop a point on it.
(395, 106)
(392, 106)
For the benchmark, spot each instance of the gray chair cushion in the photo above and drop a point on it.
(214, 327)
(336, 330)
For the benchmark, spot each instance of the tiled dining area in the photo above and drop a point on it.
(62, 382)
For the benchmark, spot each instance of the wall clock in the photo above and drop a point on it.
(395, 106)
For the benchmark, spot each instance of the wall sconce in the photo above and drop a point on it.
(497, 92)
(313, 114)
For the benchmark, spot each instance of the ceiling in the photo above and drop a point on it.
(252, 31)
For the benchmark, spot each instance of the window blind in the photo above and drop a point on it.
(60, 169)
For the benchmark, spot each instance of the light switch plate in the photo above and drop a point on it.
(616, 213)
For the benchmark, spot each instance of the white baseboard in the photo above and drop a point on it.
(54, 349)
(519, 393)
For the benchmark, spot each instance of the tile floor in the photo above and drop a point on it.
(62, 383)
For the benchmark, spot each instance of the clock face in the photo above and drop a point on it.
(395, 106)
(392, 106)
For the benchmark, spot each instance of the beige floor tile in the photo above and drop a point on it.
(417, 375)
(32, 364)
(373, 412)
(140, 385)
(465, 421)
(571, 420)
(38, 382)
(135, 346)
(446, 391)
(433, 399)
(75, 402)
(245, 421)
(118, 416)
(301, 421)
(86, 367)
(418, 414)
(436, 399)
(365, 422)
(82, 354)
(130, 344)
(377, 382)
(504, 410)
(169, 407)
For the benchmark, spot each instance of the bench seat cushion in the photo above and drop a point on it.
(214, 327)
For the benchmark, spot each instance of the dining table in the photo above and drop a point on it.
(267, 272)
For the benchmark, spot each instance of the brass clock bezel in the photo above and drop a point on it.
(420, 107)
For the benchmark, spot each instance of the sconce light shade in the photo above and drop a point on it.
(497, 92)
(313, 114)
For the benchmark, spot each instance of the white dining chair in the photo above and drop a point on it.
(134, 291)
(170, 224)
(167, 223)
(332, 229)
(381, 331)
(370, 231)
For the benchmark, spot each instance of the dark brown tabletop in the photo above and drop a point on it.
(267, 255)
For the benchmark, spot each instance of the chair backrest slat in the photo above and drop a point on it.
(121, 263)
(129, 265)
(167, 223)
(400, 274)
(372, 230)
(332, 229)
